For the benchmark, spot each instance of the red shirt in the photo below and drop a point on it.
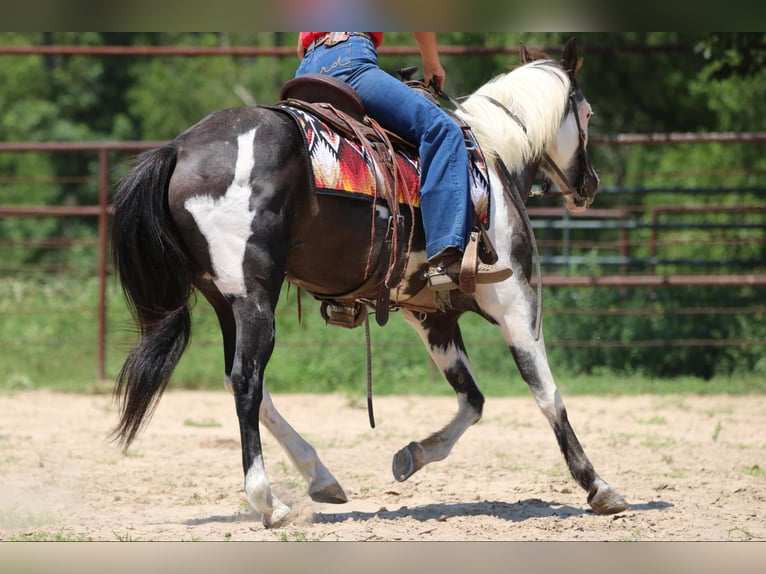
(308, 37)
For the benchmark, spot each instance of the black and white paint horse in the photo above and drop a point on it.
(227, 209)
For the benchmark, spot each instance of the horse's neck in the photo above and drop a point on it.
(517, 124)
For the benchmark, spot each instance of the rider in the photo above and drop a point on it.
(445, 201)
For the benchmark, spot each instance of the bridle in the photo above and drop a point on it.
(564, 188)
(562, 183)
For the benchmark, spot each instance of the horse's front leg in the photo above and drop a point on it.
(512, 307)
(254, 317)
(441, 335)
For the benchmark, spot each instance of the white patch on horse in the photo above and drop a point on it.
(259, 494)
(567, 142)
(226, 222)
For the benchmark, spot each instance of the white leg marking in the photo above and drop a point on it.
(303, 455)
(226, 222)
(260, 496)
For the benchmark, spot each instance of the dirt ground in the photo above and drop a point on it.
(693, 469)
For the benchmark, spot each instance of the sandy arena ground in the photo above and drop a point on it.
(693, 469)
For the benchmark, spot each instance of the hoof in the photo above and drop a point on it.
(330, 494)
(608, 501)
(277, 518)
(407, 461)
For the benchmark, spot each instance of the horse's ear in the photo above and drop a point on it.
(571, 62)
(524, 54)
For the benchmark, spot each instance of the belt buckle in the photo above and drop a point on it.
(336, 38)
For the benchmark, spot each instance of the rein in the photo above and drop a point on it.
(518, 203)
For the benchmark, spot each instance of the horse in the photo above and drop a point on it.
(227, 210)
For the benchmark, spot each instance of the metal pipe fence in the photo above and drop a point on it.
(626, 252)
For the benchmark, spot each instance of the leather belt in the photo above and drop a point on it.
(332, 38)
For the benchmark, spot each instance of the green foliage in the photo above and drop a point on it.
(733, 54)
(48, 340)
(654, 333)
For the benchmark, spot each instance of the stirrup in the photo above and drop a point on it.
(464, 271)
(439, 279)
(444, 275)
(343, 314)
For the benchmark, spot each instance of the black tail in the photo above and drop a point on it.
(155, 273)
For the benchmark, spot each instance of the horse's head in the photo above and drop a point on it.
(566, 163)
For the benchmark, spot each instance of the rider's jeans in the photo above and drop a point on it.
(444, 179)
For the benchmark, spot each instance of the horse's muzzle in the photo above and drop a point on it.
(586, 192)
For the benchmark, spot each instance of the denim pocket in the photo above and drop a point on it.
(335, 61)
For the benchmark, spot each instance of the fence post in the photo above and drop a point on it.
(103, 221)
(653, 240)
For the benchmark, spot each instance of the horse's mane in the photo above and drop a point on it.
(536, 94)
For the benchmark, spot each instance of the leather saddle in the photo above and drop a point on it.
(318, 88)
(337, 104)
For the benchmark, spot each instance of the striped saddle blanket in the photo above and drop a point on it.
(341, 166)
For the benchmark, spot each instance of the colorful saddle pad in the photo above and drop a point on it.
(342, 167)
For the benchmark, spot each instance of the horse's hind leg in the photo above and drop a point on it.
(254, 317)
(531, 359)
(322, 485)
(441, 335)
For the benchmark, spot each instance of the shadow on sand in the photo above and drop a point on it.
(510, 511)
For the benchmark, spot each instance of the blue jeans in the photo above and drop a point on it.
(445, 202)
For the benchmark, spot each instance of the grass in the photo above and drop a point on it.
(634, 536)
(717, 431)
(127, 537)
(48, 340)
(59, 536)
(296, 536)
(657, 441)
(755, 471)
(738, 533)
(208, 423)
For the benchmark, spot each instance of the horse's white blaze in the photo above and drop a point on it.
(226, 221)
